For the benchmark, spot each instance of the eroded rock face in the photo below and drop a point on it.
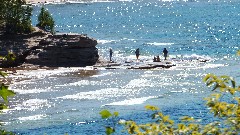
(43, 49)
(64, 51)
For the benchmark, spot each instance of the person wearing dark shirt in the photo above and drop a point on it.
(165, 53)
(111, 53)
(137, 53)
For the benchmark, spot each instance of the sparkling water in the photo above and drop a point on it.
(68, 100)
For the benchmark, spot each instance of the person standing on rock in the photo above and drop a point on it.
(165, 53)
(137, 53)
(111, 53)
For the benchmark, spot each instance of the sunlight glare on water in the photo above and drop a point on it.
(201, 37)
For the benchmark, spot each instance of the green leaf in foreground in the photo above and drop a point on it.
(105, 114)
(2, 106)
(152, 108)
(116, 114)
(186, 118)
(3, 74)
(109, 130)
(238, 53)
(5, 92)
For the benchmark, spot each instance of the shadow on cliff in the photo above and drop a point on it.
(44, 49)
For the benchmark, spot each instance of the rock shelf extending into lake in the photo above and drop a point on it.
(64, 50)
(44, 49)
(136, 65)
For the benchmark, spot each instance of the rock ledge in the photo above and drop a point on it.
(44, 49)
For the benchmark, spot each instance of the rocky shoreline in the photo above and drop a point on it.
(41, 49)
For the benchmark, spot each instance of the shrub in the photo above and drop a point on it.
(45, 21)
(15, 16)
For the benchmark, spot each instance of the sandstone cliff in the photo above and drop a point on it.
(44, 49)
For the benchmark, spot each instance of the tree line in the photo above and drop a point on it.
(15, 18)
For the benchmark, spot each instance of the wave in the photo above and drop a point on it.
(159, 44)
(32, 105)
(99, 94)
(132, 101)
(30, 91)
(106, 41)
(34, 117)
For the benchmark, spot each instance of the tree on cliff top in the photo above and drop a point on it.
(45, 21)
(15, 16)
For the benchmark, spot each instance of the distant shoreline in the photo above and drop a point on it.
(43, 1)
(37, 1)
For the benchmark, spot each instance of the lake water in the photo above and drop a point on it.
(68, 100)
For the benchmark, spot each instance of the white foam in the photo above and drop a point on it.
(160, 44)
(81, 83)
(34, 117)
(132, 101)
(32, 104)
(106, 41)
(104, 74)
(139, 83)
(41, 73)
(30, 91)
(100, 94)
(196, 57)
(207, 66)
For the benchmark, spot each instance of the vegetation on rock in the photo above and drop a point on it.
(15, 16)
(4, 94)
(45, 21)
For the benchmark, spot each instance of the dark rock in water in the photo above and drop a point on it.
(64, 51)
(43, 49)
(53, 56)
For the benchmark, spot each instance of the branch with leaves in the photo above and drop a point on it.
(226, 109)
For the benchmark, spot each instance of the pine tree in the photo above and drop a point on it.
(45, 21)
(15, 16)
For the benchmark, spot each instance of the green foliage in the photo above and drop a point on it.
(238, 53)
(3, 74)
(153, 108)
(108, 115)
(45, 20)
(10, 57)
(4, 94)
(4, 132)
(15, 16)
(9, 60)
(105, 114)
(227, 109)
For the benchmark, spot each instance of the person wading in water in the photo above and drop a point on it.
(165, 53)
(111, 53)
(137, 53)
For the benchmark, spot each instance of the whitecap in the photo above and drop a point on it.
(81, 83)
(106, 41)
(32, 104)
(160, 44)
(30, 91)
(133, 101)
(101, 94)
(196, 57)
(34, 117)
(104, 74)
(139, 83)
